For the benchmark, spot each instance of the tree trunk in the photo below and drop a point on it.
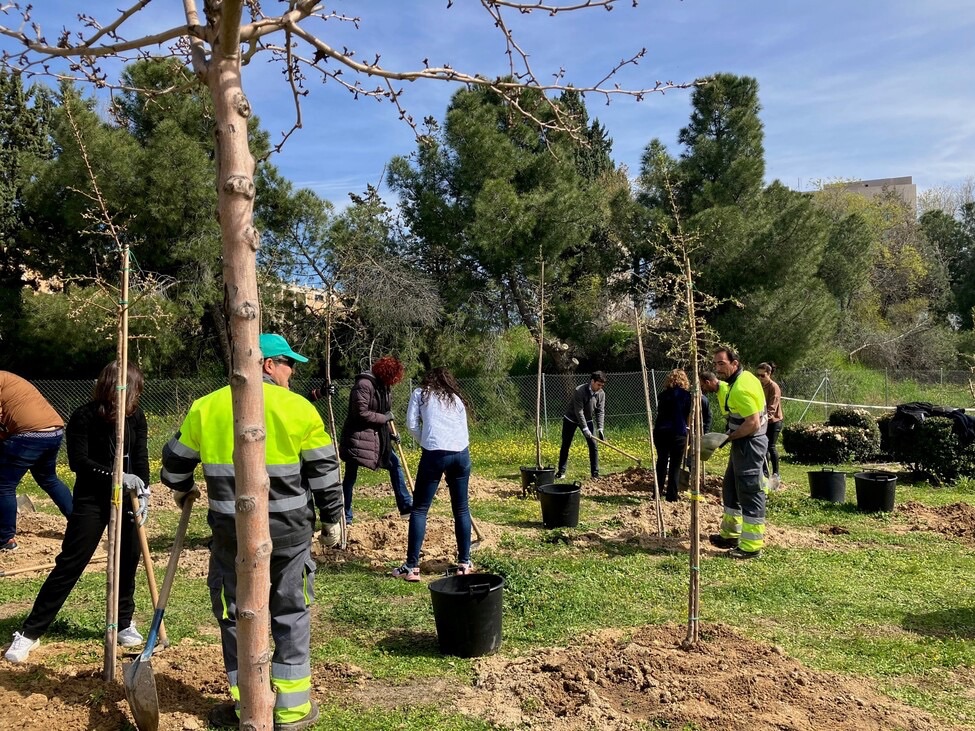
(235, 190)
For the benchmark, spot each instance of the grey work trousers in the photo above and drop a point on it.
(292, 592)
(742, 488)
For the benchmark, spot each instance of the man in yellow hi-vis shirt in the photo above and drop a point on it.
(303, 469)
(742, 401)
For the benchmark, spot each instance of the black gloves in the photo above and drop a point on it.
(396, 439)
(329, 389)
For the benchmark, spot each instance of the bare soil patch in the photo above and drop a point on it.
(613, 681)
(956, 520)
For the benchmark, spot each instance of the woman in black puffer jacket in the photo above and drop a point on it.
(366, 436)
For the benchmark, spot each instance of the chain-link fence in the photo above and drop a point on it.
(507, 405)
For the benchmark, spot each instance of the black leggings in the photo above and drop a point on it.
(774, 429)
(86, 525)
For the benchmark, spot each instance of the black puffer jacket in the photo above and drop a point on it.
(365, 433)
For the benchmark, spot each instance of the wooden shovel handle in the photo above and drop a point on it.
(150, 572)
(402, 456)
(617, 449)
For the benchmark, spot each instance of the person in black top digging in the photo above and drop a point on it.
(91, 438)
(586, 410)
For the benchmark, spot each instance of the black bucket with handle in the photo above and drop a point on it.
(467, 612)
(875, 491)
(560, 504)
(827, 485)
(534, 477)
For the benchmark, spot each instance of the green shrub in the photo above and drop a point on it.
(851, 435)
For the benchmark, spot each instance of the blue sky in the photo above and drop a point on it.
(861, 89)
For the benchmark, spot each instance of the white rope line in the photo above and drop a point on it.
(833, 403)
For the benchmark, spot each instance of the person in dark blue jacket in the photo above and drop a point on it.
(670, 430)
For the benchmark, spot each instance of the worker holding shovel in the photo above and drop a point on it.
(586, 410)
(367, 440)
(91, 437)
(300, 459)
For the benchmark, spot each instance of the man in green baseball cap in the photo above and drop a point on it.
(279, 359)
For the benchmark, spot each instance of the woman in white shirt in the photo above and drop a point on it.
(437, 418)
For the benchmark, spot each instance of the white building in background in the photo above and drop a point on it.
(904, 187)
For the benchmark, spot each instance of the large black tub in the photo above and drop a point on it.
(560, 505)
(875, 491)
(467, 611)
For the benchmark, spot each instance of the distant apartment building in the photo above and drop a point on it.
(904, 187)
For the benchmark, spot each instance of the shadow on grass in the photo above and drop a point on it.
(954, 623)
(410, 643)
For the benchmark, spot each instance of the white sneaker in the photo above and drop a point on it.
(20, 648)
(129, 637)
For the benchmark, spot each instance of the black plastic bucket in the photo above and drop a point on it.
(827, 485)
(560, 505)
(467, 611)
(534, 477)
(875, 491)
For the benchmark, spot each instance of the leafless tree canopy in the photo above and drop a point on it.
(296, 39)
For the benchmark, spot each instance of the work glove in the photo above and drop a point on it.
(602, 435)
(329, 389)
(390, 416)
(587, 434)
(134, 484)
(180, 497)
(331, 535)
(396, 438)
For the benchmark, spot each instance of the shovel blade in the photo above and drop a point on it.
(24, 504)
(140, 692)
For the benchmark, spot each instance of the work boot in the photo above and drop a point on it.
(309, 720)
(224, 715)
(720, 541)
(739, 554)
(595, 473)
(560, 475)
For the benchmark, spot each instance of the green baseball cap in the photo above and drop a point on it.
(273, 346)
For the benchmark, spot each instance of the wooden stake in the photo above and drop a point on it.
(661, 530)
(541, 345)
(344, 540)
(115, 509)
(697, 433)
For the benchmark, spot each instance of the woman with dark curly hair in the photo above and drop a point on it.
(367, 439)
(91, 438)
(437, 419)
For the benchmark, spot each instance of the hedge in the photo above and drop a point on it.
(851, 435)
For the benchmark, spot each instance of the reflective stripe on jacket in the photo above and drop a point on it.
(301, 463)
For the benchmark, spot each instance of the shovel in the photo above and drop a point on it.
(140, 685)
(25, 504)
(639, 462)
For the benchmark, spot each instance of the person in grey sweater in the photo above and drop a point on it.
(586, 410)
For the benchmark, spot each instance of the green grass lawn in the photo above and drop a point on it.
(895, 607)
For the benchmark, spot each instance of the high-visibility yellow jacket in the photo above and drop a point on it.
(301, 463)
(740, 398)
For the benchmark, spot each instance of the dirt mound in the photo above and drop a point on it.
(614, 682)
(639, 481)
(38, 541)
(956, 520)
(379, 543)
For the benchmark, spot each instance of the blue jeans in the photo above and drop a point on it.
(456, 467)
(404, 502)
(39, 454)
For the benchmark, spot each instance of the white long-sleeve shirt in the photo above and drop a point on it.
(437, 425)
